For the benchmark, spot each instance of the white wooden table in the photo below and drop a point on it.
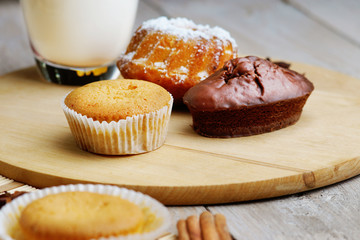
(324, 33)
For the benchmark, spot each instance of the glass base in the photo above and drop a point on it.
(75, 76)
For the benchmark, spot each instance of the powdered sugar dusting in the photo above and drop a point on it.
(187, 29)
(159, 65)
(201, 38)
(183, 69)
(128, 56)
(203, 74)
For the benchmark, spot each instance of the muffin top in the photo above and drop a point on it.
(80, 215)
(247, 81)
(185, 29)
(112, 100)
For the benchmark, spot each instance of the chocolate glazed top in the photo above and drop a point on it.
(246, 81)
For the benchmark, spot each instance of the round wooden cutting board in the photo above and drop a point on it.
(37, 148)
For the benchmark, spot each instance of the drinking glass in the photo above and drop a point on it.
(78, 41)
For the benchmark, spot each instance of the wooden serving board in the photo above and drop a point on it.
(37, 148)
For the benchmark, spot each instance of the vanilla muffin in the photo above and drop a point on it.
(80, 215)
(118, 117)
(154, 218)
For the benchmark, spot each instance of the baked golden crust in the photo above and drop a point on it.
(176, 53)
(112, 100)
(80, 215)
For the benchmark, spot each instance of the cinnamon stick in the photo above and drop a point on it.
(193, 227)
(221, 227)
(208, 229)
(6, 197)
(182, 230)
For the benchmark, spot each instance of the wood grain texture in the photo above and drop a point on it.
(337, 207)
(271, 28)
(321, 149)
(327, 213)
(14, 47)
(334, 15)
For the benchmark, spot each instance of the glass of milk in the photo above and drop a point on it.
(78, 41)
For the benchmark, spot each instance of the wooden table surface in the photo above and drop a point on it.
(319, 32)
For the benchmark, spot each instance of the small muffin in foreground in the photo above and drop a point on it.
(80, 215)
(97, 208)
(176, 53)
(247, 96)
(117, 117)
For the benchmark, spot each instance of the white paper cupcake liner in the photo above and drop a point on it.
(137, 134)
(9, 214)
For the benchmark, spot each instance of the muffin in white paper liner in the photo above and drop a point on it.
(137, 134)
(10, 213)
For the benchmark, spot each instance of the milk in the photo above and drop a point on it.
(79, 33)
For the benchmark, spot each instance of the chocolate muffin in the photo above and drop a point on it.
(247, 96)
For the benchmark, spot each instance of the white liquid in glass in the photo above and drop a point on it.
(79, 33)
